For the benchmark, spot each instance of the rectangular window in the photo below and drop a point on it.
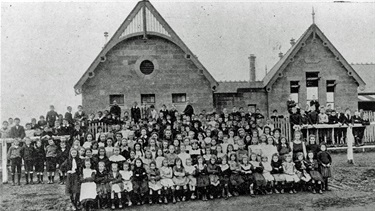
(118, 97)
(312, 85)
(331, 84)
(179, 98)
(147, 98)
(294, 90)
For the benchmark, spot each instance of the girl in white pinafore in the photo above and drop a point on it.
(88, 185)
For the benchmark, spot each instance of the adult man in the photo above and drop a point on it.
(17, 131)
(189, 110)
(115, 109)
(135, 112)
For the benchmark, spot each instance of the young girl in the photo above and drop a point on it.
(312, 146)
(195, 152)
(312, 168)
(283, 147)
(300, 165)
(259, 181)
(225, 177)
(147, 159)
(166, 174)
(15, 157)
(190, 171)
(325, 162)
(127, 176)
(207, 154)
(102, 186)
(290, 175)
(213, 170)
(183, 155)
(297, 145)
(171, 156)
(63, 154)
(277, 173)
(115, 181)
(72, 166)
(235, 178)
(267, 168)
(140, 183)
(246, 171)
(138, 150)
(51, 160)
(159, 158)
(109, 148)
(180, 180)
(95, 148)
(241, 152)
(203, 181)
(39, 161)
(88, 142)
(88, 186)
(154, 184)
(220, 153)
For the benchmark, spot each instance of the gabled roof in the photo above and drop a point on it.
(272, 76)
(144, 20)
(367, 72)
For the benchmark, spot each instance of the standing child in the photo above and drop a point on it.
(102, 186)
(267, 168)
(235, 178)
(127, 176)
(88, 187)
(73, 168)
(259, 181)
(225, 177)
(325, 161)
(300, 165)
(140, 183)
(15, 157)
(213, 170)
(312, 168)
(166, 174)
(190, 173)
(203, 181)
(116, 184)
(40, 156)
(277, 173)
(154, 184)
(247, 174)
(28, 157)
(180, 180)
(63, 154)
(290, 171)
(51, 160)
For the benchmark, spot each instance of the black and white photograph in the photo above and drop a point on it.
(187, 105)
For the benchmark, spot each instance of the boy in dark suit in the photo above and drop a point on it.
(51, 116)
(17, 131)
(135, 112)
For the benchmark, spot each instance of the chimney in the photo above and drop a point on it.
(252, 67)
(281, 55)
(292, 41)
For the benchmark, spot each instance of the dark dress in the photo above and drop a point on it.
(72, 185)
(102, 185)
(312, 168)
(235, 177)
(296, 149)
(314, 148)
(225, 173)
(324, 158)
(140, 182)
(202, 176)
(40, 156)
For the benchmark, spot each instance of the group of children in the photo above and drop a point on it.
(116, 171)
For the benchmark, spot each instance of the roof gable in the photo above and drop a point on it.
(144, 20)
(278, 68)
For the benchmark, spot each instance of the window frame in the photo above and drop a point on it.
(118, 96)
(176, 95)
(148, 95)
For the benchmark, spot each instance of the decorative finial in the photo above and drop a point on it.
(313, 15)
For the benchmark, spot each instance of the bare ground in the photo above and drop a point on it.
(353, 188)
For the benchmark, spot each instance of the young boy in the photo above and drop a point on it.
(42, 122)
(28, 158)
(14, 155)
(29, 131)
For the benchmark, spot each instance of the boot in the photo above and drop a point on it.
(52, 179)
(320, 188)
(41, 179)
(61, 180)
(13, 183)
(19, 179)
(119, 203)
(252, 190)
(27, 178)
(31, 179)
(113, 204)
(38, 177)
(174, 196)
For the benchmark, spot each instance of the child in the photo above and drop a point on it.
(14, 155)
(28, 157)
(116, 157)
(290, 173)
(213, 172)
(63, 154)
(147, 159)
(220, 153)
(183, 154)
(102, 186)
(283, 147)
(51, 160)
(88, 186)
(207, 155)
(140, 183)
(325, 162)
(72, 166)
(267, 168)
(300, 165)
(312, 168)
(312, 146)
(242, 152)
(180, 180)
(190, 173)
(224, 177)
(101, 157)
(127, 176)
(88, 142)
(159, 158)
(277, 173)
(235, 177)
(246, 171)
(166, 174)
(203, 181)
(109, 148)
(39, 161)
(115, 181)
(195, 152)
(259, 181)
(154, 184)
(171, 156)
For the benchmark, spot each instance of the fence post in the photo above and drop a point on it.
(4, 160)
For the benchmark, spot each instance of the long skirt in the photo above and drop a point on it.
(140, 187)
(103, 189)
(304, 176)
(259, 180)
(325, 171)
(315, 175)
(236, 179)
(192, 180)
(72, 185)
(117, 187)
(291, 178)
(155, 186)
(167, 182)
(279, 177)
(88, 191)
(180, 181)
(268, 176)
(203, 181)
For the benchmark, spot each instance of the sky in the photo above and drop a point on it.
(46, 47)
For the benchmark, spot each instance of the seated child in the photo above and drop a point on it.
(213, 170)
(180, 180)
(166, 174)
(277, 173)
(290, 173)
(260, 182)
(190, 171)
(127, 176)
(117, 186)
(312, 168)
(140, 183)
(88, 187)
(102, 186)
(267, 168)
(203, 181)
(154, 184)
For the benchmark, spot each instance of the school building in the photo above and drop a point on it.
(145, 61)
